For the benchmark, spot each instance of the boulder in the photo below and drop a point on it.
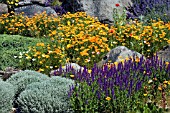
(118, 54)
(67, 68)
(31, 10)
(103, 9)
(24, 2)
(3, 8)
(164, 53)
(39, 1)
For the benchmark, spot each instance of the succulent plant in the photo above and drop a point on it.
(6, 97)
(50, 96)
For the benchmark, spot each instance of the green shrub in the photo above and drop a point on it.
(12, 45)
(50, 96)
(6, 97)
(21, 79)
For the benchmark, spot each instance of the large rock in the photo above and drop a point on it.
(24, 2)
(67, 68)
(118, 54)
(103, 9)
(3, 8)
(31, 10)
(164, 54)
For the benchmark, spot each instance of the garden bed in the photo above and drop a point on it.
(132, 85)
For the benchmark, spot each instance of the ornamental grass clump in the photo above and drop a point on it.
(50, 96)
(119, 87)
(6, 97)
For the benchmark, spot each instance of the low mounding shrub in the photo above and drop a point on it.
(50, 96)
(21, 79)
(11, 46)
(6, 97)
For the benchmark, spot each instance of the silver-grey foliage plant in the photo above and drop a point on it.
(21, 79)
(6, 97)
(50, 96)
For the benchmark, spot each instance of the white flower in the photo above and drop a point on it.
(20, 56)
(92, 52)
(33, 59)
(28, 57)
(20, 53)
(150, 81)
(88, 60)
(15, 56)
(50, 51)
(51, 67)
(27, 51)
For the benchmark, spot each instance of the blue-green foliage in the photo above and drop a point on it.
(6, 96)
(50, 96)
(21, 79)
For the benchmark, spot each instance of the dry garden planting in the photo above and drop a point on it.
(41, 46)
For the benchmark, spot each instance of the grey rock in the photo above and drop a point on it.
(118, 54)
(164, 53)
(3, 8)
(9, 71)
(39, 1)
(67, 68)
(31, 10)
(25, 2)
(103, 9)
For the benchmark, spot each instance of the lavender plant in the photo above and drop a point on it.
(118, 88)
